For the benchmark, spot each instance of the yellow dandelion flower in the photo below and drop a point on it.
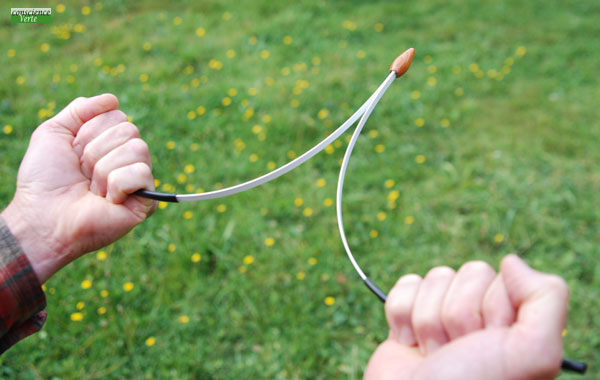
(432, 69)
(479, 74)
(431, 81)
(300, 275)
(287, 40)
(144, 78)
(321, 182)
(183, 319)
(373, 234)
(189, 188)
(189, 168)
(252, 91)
(177, 21)
(379, 148)
(420, 158)
(188, 215)
(196, 257)
(80, 305)
(323, 113)
(329, 149)
(521, 50)
(372, 134)
(11, 53)
(473, 67)
(181, 178)
(409, 220)
(327, 202)
(256, 129)
(221, 208)
(60, 8)
(230, 53)
(200, 32)
(298, 202)
(416, 94)
(459, 91)
(393, 195)
(150, 341)
(20, 80)
(312, 261)
(509, 61)
(78, 28)
(269, 241)
(307, 212)
(361, 54)
(269, 81)
(499, 238)
(76, 317)
(253, 157)
(389, 183)
(86, 284)
(378, 27)
(128, 286)
(171, 247)
(243, 269)
(101, 310)
(349, 25)
(252, 40)
(171, 145)
(86, 10)
(291, 154)
(7, 129)
(420, 122)
(191, 115)
(294, 103)
(316, 61)
(264, 54)
(271, 165)
(445, 123)
(329, 301)
(104, 293)
(427, 59)
(162, 205)
(45, 47)
(248, 260)
(147, 46)
(226, 16)
(381, 216)
(248, 113)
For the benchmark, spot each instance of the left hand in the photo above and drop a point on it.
(74, 184)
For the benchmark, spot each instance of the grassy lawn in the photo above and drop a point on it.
(489, 145)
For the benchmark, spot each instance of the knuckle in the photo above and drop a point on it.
(440, 272)
(89, 156)
(119, 115)
(477, 266)
(557, 284)
(425, 320)
(129, 130)
(139, 146)
(459, 319)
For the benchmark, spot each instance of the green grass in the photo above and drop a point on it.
(516, 171)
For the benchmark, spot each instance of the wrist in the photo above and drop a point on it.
(41, 255)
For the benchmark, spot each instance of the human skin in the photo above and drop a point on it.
(473, 324)
(75, 182)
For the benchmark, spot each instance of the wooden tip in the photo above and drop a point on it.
(402, 63)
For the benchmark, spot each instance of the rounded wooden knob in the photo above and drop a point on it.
(402, 63)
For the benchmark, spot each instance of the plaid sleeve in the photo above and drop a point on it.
(21, 297)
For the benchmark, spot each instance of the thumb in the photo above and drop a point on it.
(541, 303)
(80, 110)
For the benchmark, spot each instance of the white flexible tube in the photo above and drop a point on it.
(292, 164)
(340, 187)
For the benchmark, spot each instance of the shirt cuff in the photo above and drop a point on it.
(21, 297)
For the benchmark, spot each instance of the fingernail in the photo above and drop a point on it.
(431, 345)
(406, 336)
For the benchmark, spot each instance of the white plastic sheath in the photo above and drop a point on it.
(338, 198)
(292, 164)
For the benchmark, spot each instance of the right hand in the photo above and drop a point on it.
(474, 324)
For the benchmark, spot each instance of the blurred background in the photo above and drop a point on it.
(488, 145)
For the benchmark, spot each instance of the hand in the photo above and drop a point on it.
(74, 183)
(474, 324)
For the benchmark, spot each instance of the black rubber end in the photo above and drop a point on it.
(373, 288)
(573, 366)
(157, 196)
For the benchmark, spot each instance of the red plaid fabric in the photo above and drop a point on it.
(21, 297)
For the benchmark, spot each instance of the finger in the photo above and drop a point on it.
(134, 150)
(80, 110)
(541, 302)
(95, 127)
(461, 310)
(399, 306)
(496, 308)
(427, 309)
(108, 140)
(127, 179)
